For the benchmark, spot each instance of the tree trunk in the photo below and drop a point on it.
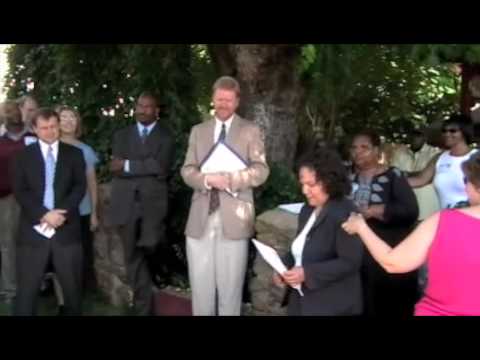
(272, 94)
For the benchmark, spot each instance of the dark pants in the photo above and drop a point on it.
(31, 265)
(138, 274)
(89, 278)
(390, 295)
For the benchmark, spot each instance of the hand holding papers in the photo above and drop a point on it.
(271, 257)
(222, 159)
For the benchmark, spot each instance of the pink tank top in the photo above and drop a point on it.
(453, 268)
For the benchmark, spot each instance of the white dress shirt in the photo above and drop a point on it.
(150, 127)
(299, 242)
(218, 128)
(44, 148)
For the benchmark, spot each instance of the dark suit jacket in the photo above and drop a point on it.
(331, 260)
(69, 189)
(150, 165)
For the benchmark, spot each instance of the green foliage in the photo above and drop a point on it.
(281, 187)
(434, 54)
(205, 75)
(388, 88)
(94, 304)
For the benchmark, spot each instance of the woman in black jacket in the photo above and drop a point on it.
(324, 260)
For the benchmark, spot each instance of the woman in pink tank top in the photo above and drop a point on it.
(448, 241)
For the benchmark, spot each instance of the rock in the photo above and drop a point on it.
(109, 260)
(276, 228)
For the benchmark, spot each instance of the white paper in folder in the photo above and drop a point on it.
(222, 159)
(271, 257)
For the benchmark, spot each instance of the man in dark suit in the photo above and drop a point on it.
(49, 183)
(141, 159)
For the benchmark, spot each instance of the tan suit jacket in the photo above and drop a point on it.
(406, 160)
(237, 213)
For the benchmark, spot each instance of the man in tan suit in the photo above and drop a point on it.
(222, 212)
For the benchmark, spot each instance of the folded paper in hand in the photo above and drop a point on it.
(45, 230)
(271, 257)
(222, 158)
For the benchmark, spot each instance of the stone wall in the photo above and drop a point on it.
(109, 262)
(276, 228)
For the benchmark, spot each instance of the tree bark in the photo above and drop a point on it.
(272, 93)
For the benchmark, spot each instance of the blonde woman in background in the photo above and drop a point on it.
(70, 131)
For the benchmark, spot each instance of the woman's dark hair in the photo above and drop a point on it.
(371, 135)
(464, 124)
(329, 170)
(471, 169)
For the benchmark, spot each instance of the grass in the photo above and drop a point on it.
(94, 304)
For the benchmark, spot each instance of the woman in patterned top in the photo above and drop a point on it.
(387, 202)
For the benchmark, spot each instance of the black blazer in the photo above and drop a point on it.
(150, 166)
(69, 189)
(331, 261)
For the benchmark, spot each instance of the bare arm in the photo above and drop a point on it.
(92, 188)
(407, 256)
(425, 176)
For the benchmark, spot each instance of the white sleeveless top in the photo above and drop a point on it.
(448, 179)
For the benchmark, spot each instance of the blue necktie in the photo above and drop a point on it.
(144, 134)
(48, 196)
(223, 133)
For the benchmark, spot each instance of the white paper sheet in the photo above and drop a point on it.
(44, 230)
(30, 140)
(222, 159)
(270, 255)
(292, 208)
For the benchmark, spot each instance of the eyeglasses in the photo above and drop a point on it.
(450, 130)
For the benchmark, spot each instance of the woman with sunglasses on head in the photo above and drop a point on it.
(445, 170)
(448, 242)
